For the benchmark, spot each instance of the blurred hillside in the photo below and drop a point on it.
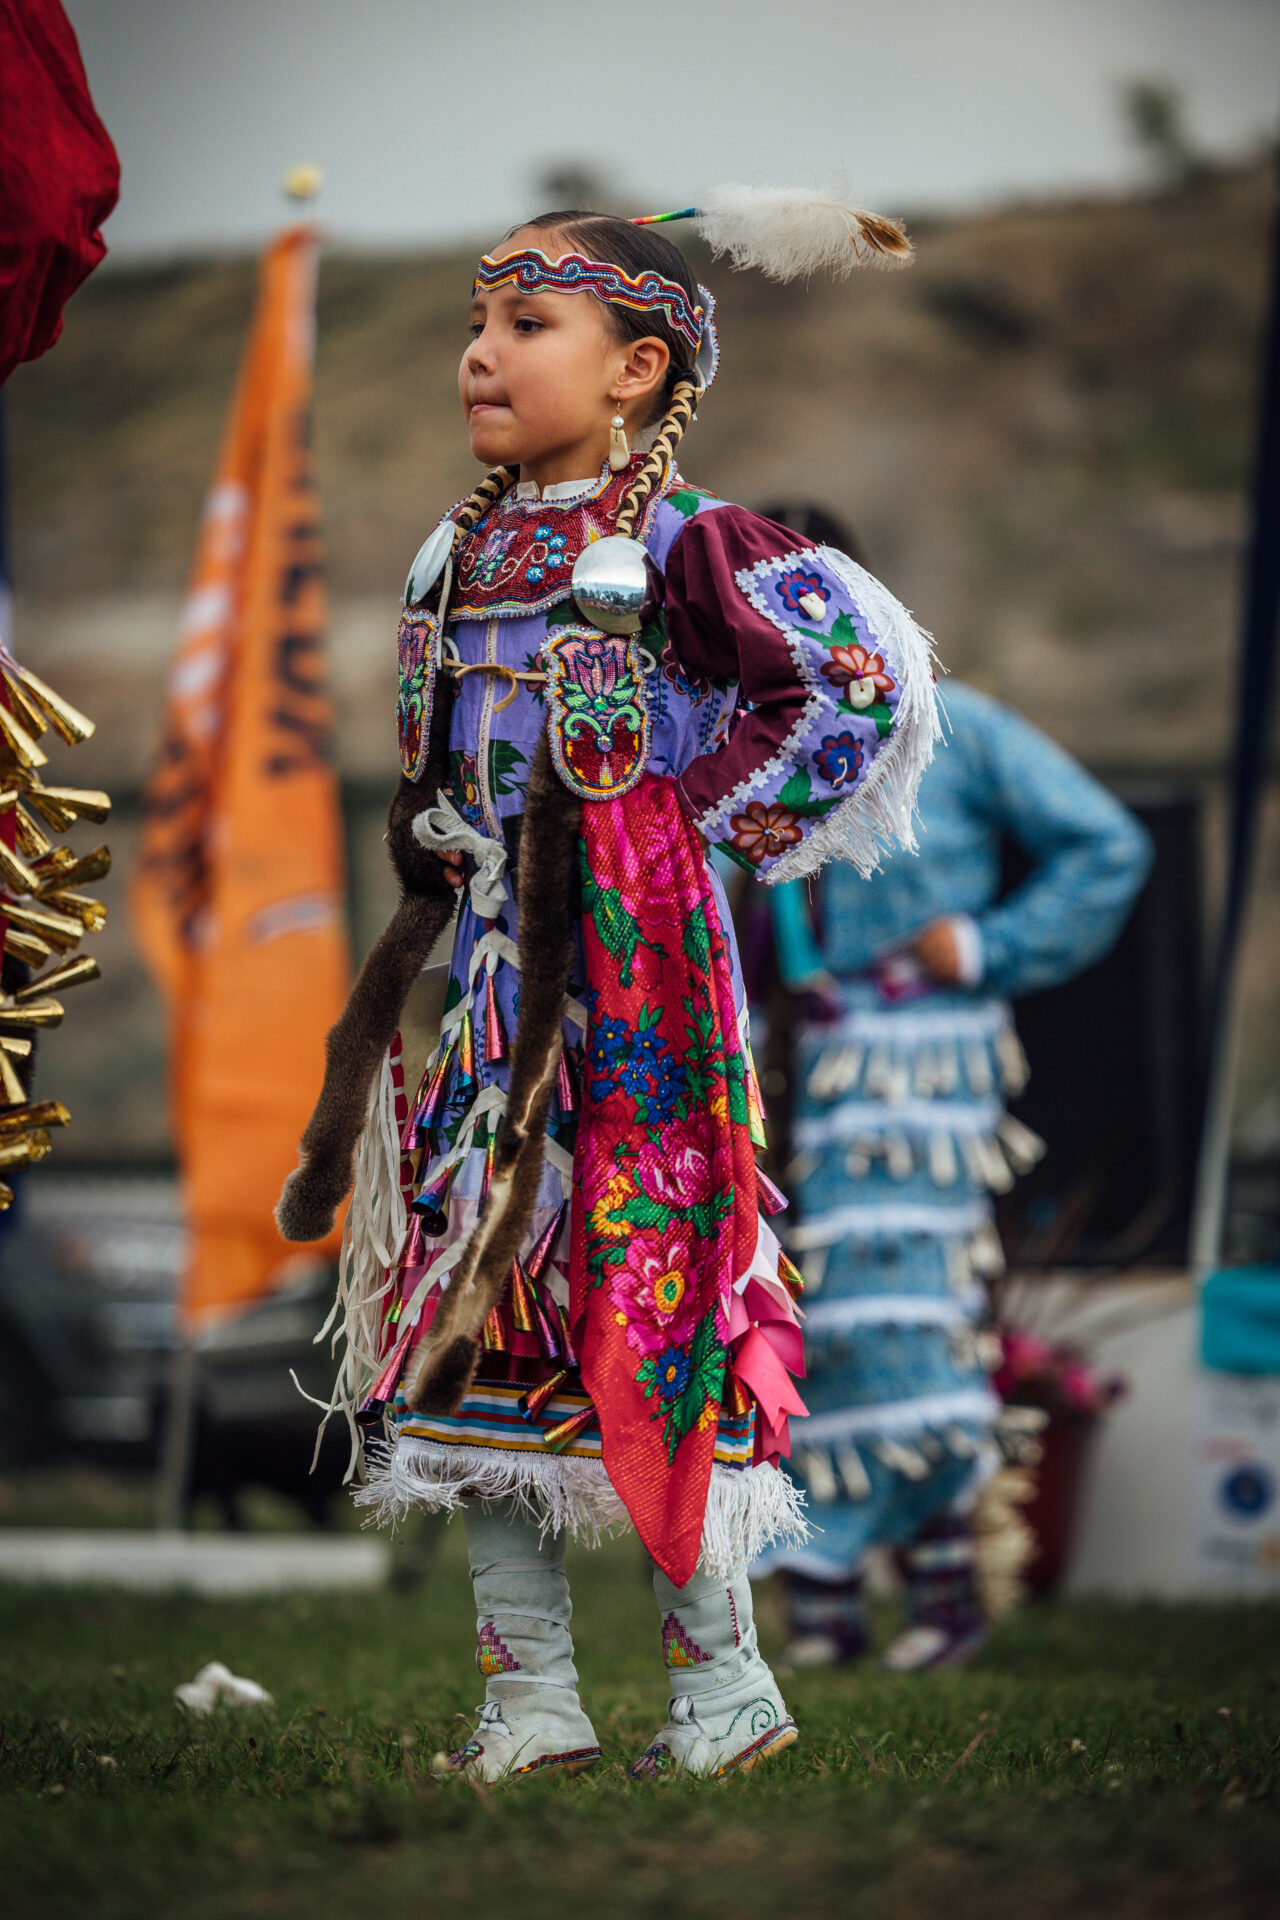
(1042, 433)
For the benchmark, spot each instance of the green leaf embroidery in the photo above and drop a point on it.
(654, 636)
(705, 1213)
(731, 852)
(697, 940)
(736, 1076)
(798, 795)
(504, 758)
(797, 790)
(880, 713)
(685, 499)
(641, 1211)
(705, 1382)
(616, 929)
(843, 633)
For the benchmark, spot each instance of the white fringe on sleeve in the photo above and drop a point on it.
(881, 810)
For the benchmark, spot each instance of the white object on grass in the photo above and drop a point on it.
(216, 1686)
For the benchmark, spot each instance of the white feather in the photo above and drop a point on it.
(791, 232)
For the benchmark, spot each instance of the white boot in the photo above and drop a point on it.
(725, 1714)
(532, 1718)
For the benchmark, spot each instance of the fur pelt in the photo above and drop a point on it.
(445, 1363)
(357, 1042)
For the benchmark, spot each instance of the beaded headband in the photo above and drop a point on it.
(534, 272)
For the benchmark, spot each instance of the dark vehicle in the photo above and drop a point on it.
(89, 1274)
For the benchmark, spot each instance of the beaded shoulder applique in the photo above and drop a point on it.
(415, 648)
(598, 715)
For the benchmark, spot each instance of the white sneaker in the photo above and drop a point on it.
(527, 1729)
(715, 1737)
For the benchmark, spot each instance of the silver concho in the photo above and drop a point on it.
(429, 563)
(611, 583)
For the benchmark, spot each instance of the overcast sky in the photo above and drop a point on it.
(432, 118)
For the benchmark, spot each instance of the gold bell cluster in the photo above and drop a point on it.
(44, 911)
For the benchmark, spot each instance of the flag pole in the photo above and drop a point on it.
(173, 1488)
(1257, 673)
(178, 1438)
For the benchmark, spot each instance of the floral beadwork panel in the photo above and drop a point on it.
(415, 650)
(852, 690)
(598, 711)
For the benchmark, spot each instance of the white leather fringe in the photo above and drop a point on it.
(377, 1221)
(882, 809)
(748, 1508)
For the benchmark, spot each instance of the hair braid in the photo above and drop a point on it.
(684, 403)
(491, 488)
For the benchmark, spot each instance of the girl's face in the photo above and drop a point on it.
(540, 378)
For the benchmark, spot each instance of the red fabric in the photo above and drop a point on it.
(717, 634)
(59, 177)
(667, 1215)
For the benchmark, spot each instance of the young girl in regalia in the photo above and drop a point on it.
(563, 1301)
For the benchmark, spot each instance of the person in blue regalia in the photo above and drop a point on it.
(904, 1057)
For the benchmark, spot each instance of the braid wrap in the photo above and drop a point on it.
(684, 403)
(491, 488)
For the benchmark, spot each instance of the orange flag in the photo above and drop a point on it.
(238, 895)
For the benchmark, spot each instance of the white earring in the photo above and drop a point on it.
(619, 451)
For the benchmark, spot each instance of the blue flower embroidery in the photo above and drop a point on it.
(636, 1073)
(794, 585)
(608, 1054)
(672, 1368)
(533, 574)
(839, 759)
(666, 1085)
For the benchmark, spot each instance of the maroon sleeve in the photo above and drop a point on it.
(716, 632)
(58, 177)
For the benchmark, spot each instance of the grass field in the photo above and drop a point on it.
(1096, 1761)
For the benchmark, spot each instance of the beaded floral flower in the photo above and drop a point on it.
(546, 555)
(839, 759)
(797, 586)
(762, 832)
(859, 674)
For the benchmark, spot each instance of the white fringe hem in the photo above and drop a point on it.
(748, 1508)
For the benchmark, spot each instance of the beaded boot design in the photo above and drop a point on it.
(531, 1719)
(725, 1714)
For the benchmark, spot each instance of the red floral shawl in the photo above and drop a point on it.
(665, 1215)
